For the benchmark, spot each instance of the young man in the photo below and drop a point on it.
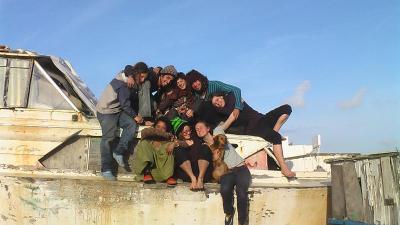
(114, 111)
(265, 126)
(153, 160)
(157, 83)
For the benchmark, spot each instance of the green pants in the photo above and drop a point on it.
(161, 163)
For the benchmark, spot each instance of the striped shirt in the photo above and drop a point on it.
(218, 86)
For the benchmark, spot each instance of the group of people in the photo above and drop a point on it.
(183, 114)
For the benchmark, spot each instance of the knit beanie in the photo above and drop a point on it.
(178, 124)
(169, 70)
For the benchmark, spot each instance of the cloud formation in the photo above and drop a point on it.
(297, 100)
(355, 101)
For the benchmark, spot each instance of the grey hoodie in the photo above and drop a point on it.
(117, 97)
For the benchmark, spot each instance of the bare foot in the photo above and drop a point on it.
(288, 173)
(200, 184)
(193, 185)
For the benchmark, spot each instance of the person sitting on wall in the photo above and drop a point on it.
(238, 176)
(114, 111)
(256, 124)
(193, 161)
(153, 158)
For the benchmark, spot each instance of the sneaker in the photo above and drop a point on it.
(108, 175)
(148, 179)
(119, 159)
(171, 181)
(229, 218)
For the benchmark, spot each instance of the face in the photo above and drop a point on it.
(142, 77)
(160, 125)
(196, 85)
(201, 129)
(166, 79)
(186, 132)
(181, 83)
(218, 101)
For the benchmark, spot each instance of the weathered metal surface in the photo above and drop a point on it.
(379, 181)
(47, 199)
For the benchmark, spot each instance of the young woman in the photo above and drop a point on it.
(193, 160)
(238, 176)
(265, 126)
(180, 101)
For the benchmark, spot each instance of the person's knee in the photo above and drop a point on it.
(242, 195)
(275, 138)
(225, 190)
(131, 129)
(286, 109)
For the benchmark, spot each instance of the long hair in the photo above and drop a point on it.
(194, 75)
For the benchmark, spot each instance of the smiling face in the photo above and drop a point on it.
(161, 126)
(181, 83)
(186, 132)
(201, 129)
(196, 85)
(166, 79)
(218, 101)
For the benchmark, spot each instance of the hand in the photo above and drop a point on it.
(235, 113)
(138, 119)
(170, 148)
(189, 113)
(148, 123)
(156, 70)
(130, 82)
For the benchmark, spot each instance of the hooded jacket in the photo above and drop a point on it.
(117, 97)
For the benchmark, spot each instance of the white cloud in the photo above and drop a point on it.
(355, 101)
(297, 100)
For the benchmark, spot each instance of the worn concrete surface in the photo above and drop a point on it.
(37, 200)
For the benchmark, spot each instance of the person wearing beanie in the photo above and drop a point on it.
(133, 71)
(193, 160)
(115, 110)
(154, 159)
(180, 102)
(204, 88)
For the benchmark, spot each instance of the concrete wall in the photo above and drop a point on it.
(37, 200)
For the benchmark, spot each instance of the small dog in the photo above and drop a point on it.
(218, 150)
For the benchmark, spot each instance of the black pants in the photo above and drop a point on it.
(264, 126)
(241, 178)
(182, 154)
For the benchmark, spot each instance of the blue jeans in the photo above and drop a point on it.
(110, 124)
(241, 178)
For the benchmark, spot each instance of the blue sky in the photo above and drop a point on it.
(336, 62)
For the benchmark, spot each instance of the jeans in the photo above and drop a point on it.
(110, 124)
(241, 178)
